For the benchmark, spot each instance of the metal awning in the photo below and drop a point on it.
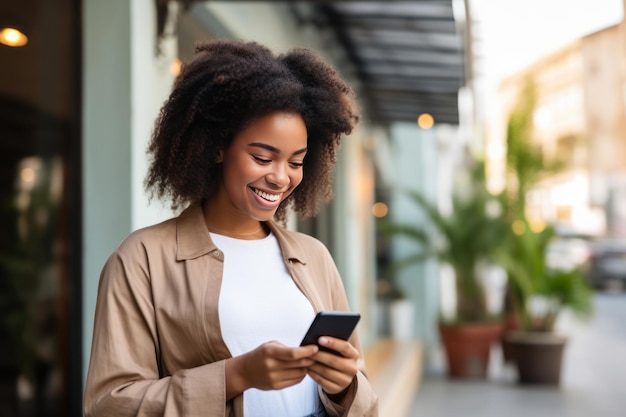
(408, 55)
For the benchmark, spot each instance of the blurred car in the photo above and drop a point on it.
(568, 253)
(607, 264)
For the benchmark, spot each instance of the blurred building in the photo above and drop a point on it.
(580, 120)
(80, 86)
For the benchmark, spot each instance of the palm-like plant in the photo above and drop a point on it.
(534, 280)
(525, 159)
(471, 233)
(524, 258)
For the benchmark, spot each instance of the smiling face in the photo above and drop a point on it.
(261, 167)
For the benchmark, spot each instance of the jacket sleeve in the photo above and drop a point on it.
(124, 371)
(361, 400)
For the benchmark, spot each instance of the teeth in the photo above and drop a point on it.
(270, 197)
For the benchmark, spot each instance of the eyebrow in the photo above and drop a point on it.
(274, 149)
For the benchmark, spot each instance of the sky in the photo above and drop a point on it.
(514, 33)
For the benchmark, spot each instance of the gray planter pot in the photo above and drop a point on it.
(538, 356)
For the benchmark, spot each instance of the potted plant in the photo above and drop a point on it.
(27, 251)
(526, 166)
(464, 238)
(541, 294)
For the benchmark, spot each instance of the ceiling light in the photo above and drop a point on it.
(175, 67)
(425, 121)
(12, 37)
(380, 209)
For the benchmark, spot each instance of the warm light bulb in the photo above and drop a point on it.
(425, 121)
(518, 227)
(175, 67)
(380, 209)
(12, 37)
(537, 225)
(28, 175)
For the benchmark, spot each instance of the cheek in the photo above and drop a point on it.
(241, 170)
(296, 179)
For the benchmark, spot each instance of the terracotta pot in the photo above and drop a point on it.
(468, 348)
(538, 356)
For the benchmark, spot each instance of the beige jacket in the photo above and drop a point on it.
(157, 348)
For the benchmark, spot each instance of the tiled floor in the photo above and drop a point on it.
(593, 382)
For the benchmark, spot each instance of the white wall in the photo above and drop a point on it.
(106, 143)
(354, 229)
(415, 156)
(151, 83)
(123, 87)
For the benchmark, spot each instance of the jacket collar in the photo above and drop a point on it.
(193, 240)
(192, 235)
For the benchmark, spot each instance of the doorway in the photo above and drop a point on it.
(40, 179)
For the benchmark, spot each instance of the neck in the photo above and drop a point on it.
(256, 233)
(238, 228)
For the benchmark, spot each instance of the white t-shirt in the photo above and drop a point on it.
(259, 302)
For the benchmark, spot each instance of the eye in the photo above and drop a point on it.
(260, 160)
(296, 164)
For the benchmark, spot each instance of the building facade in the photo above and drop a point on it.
(579, 119)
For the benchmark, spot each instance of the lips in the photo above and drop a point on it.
(266, 196)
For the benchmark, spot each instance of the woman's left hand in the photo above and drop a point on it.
(334, 372)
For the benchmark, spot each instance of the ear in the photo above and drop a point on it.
(220, 156)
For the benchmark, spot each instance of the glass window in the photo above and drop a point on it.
(40, 367)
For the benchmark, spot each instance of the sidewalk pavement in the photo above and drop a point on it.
(593, 380)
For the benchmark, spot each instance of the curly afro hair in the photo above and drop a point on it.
(219, 91)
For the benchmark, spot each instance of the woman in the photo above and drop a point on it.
(202, 315)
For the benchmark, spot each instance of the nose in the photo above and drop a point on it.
(278, 176)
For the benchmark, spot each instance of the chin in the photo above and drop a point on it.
(262, 216)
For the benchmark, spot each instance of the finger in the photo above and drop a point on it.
(334, 369)
(292, 374)
(334, 361)
(334, 372)
(337, 371)
(298, 363)
(336, 384)
(286, 353)
(327, 373)
(343, 347)
(287, 378)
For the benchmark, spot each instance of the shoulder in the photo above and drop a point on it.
(150, 237)
(303, 238)
(137, 255)
(299, 244)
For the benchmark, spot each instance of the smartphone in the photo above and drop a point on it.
(339, 324)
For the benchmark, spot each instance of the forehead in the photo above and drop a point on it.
(284, 129)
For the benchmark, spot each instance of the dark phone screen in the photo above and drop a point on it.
(339, 324)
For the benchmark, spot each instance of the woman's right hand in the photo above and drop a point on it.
(271, 366)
